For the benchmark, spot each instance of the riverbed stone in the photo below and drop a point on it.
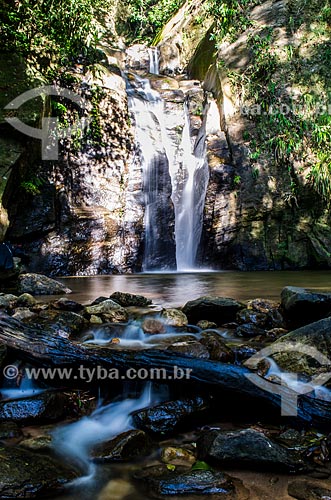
(206, 325)
(247, 448)
(249, 330)
(42, 408)
(192, 348)
(38, 284)
(109, 311)
(166, 417)
(24, 474)
(9, 430)
(126, 446)
(306, 490)
(62, 323)
(128, 299)
(160, 481)
(302, 306)
(316, 336)
(7, 301)
(217, 348)
(177, 456)
(39, 444)
(65, 304)
(174, 317)
(153, 326)
(26, 300)
(219, 310)
(23, 313)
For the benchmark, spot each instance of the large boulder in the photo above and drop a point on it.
(128, 299)
(24, 474)
(42, 408)
(108, 310)
(174, 317)
(220, 310)
(247, 448)
(301, 306)
(38, 284)
(291, 356)
(162, 481)
(166, 417)
(218, 350)
(64, 323)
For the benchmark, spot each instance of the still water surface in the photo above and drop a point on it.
(177, 288)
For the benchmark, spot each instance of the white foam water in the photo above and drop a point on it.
(75, 441)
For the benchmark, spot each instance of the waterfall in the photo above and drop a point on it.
(175, 175)
(189, 196)
(156, 154)
(153, 53)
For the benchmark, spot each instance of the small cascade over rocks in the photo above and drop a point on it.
(171, 119)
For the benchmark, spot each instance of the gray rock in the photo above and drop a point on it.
(317, 336)
(166, 417)
(174, 317)
(24, 474)
(108, 310)
(23, 313)
(65, 304)
(38, 284)
(126, 446)
(218, 350)
(153, 326)
(249, 449)
(219, 310)
(45, 407)
(160, 482)
(191, 348)
(128, 299)
(26, 300)
(302, 306)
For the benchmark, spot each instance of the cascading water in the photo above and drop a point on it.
(189, 197)
(153, 53)
(75, 441)
(156, 154)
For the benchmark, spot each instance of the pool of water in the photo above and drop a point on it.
(177, 288)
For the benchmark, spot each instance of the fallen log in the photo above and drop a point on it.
(43, 349)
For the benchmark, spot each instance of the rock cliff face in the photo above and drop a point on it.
(86, 214)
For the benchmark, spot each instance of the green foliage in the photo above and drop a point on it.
(145, 18)
(32, 186)
(200, 465)
(47, 33)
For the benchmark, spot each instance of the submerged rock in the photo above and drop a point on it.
(219, 310)
(247, 448)
(128, 299)
(24, 474)
(305, 490)
(39, 444)
(166, 417)
(126, 446)
(161, 481)
(302, 306)
(38, 284)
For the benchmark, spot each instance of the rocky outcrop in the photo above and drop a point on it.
(217, 309)
(37, 284)
(302, 306)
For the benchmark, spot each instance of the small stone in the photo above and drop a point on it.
(23, 313)
(96, 320)
(128, 299)
(65, 304)
(177, 456)
(126, 446)
(206, 325)
(191, 348)
(26, 300)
